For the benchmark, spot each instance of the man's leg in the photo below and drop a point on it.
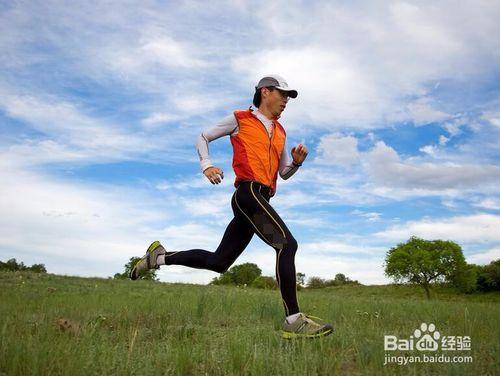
(269, 226)
(236, 238)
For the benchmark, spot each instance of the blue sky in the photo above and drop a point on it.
(101, 104)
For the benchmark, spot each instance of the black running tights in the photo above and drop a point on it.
(252, 215)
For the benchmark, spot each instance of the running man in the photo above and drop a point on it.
(259, 154)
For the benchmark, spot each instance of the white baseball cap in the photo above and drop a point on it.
(273, 80)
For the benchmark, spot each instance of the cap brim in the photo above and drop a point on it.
(291, 93)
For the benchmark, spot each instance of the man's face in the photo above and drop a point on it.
(275, 100)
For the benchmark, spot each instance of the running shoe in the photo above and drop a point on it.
(305, 327)
(148, 261)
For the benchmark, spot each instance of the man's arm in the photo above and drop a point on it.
(289, 166)
(225, 127)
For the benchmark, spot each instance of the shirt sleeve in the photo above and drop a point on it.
(286, 168)
(225, 127)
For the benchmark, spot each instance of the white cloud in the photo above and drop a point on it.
(332, 89)
(363, 65)
(190, 236)
(475, 228)
(428, 149)
(385, 168)
(422, 112)
(335, 149)
(443, 140)
(158, 118)
(493, 117)
(215, 205)
(485, 257)
(69, 134)
(158, 48)
(335, 248)
(370, 216)
(195, 102)
(62, 223)
(492, 203)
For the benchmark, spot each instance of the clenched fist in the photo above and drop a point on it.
(214, 174)
(299, 153)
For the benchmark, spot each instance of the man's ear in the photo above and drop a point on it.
(264, 92)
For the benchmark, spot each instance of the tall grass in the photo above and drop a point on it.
(125, 327)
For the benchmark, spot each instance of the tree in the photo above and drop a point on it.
(224, 279)
(341, 278)
(301, 278)
(243, 274)
(488, 276)
(149, 275)
(38, 268)
(423, 262)
(465, 278)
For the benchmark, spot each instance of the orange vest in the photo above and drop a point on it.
(256, 156)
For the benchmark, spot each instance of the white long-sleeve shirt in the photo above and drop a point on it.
(229, 126)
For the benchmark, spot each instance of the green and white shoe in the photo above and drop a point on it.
(305, 327)
(148, 261)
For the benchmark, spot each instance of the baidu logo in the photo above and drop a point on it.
(427, 338)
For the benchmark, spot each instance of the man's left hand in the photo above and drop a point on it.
(299, 153)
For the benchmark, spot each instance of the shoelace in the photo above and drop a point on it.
(309, 320)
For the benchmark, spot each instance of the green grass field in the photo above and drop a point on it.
(125, 327)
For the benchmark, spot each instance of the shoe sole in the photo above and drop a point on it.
(150, 249)
(291, 335)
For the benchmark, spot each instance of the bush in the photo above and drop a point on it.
(316, 283)
(240, 275)
(264, 282)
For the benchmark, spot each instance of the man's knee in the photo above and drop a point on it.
(290, 245)
(221, 266)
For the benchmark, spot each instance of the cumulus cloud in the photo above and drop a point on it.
(485, 257)
(475, 228)
(384, 166)
(422, 112)
(335, 149)
(363, 70)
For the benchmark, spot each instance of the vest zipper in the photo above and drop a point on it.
(270, 144)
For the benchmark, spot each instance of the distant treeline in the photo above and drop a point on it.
(249, 274)
(340, 279)
(13, 266)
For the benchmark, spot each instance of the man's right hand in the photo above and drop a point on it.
(214, 174)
